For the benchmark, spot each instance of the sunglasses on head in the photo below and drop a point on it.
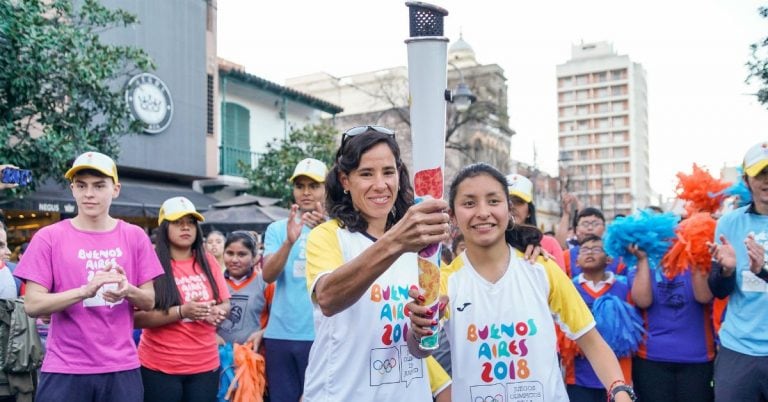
(364, 129)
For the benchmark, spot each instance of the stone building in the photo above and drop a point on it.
(479, 134)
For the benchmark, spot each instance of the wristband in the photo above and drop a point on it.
(622, 388)
(763, 274)
(178, 310)
(613, 384)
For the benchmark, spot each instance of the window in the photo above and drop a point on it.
(617, 75)
(620, 152)
(601, 77)
(602, 107)
(210, 17)
(582, 79)
(601, 92)
(603, 153)
(209, 108)
(582, 95)
(603, 123)
(235, 137)
(603, 138)
(619, 106)
(566, 97)
(618, 90)
(566, 111)
(583, 140)
(583, 124)
(565, 82)
(582, 110)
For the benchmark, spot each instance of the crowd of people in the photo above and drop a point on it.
(330, 302)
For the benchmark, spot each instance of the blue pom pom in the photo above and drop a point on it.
(738, 189)
(651, 231)
(226, 355)
(619, 324)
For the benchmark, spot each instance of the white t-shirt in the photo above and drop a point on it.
(502, 335)
(360, 354)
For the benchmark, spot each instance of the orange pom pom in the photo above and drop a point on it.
(701, 190)
(690, 248)
(250, 375)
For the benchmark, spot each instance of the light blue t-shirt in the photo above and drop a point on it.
(745, 329)
(291, 315)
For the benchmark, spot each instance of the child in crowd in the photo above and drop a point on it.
(594, 282)
(251, 297)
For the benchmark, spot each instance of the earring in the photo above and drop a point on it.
(346, 192)
(394, 211)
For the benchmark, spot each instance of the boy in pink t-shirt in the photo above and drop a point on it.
(89, 273)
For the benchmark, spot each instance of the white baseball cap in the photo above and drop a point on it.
(756, 159)
(520, 186)
(312, 168)
(96, 161)
(177, 207)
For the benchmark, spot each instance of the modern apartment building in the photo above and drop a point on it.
(603, 129)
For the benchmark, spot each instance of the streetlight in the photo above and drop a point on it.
(461, 97)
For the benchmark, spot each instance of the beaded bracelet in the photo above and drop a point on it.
(613, 384)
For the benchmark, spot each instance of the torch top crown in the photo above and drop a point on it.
(425, 19)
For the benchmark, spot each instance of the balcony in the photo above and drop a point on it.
(230, 156)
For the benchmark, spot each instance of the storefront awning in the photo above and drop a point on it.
(137, 199)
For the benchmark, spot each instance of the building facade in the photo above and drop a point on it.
(603, 129)
(253, 113)
(479, 134)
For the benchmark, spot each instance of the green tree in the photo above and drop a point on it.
(60, 86)
(270, 177)
(758, 63)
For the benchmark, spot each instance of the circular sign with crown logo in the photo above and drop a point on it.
(149, 101)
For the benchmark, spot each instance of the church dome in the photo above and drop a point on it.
(461, 51)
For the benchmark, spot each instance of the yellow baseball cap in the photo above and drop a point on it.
(756, 159)
(96, 161)
(312, 168)
(520, 186)
(177, 207)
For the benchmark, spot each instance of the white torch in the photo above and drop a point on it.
(427, 80)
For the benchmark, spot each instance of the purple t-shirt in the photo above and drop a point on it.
(679, 329)
(91, 336)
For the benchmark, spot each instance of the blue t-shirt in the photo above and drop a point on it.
(583, 374)
(745, 329)
(291, 314)
(678, 328)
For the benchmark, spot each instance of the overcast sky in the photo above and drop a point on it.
(693, 52)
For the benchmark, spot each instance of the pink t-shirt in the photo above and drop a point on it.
(91, 336)
(186, 347)
(552, 246)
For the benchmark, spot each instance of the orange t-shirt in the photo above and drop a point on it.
(185, 347)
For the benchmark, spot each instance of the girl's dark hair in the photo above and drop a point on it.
(456, 240)
(531, 218)
(166, 292)
(518, 236)
(339, 205)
